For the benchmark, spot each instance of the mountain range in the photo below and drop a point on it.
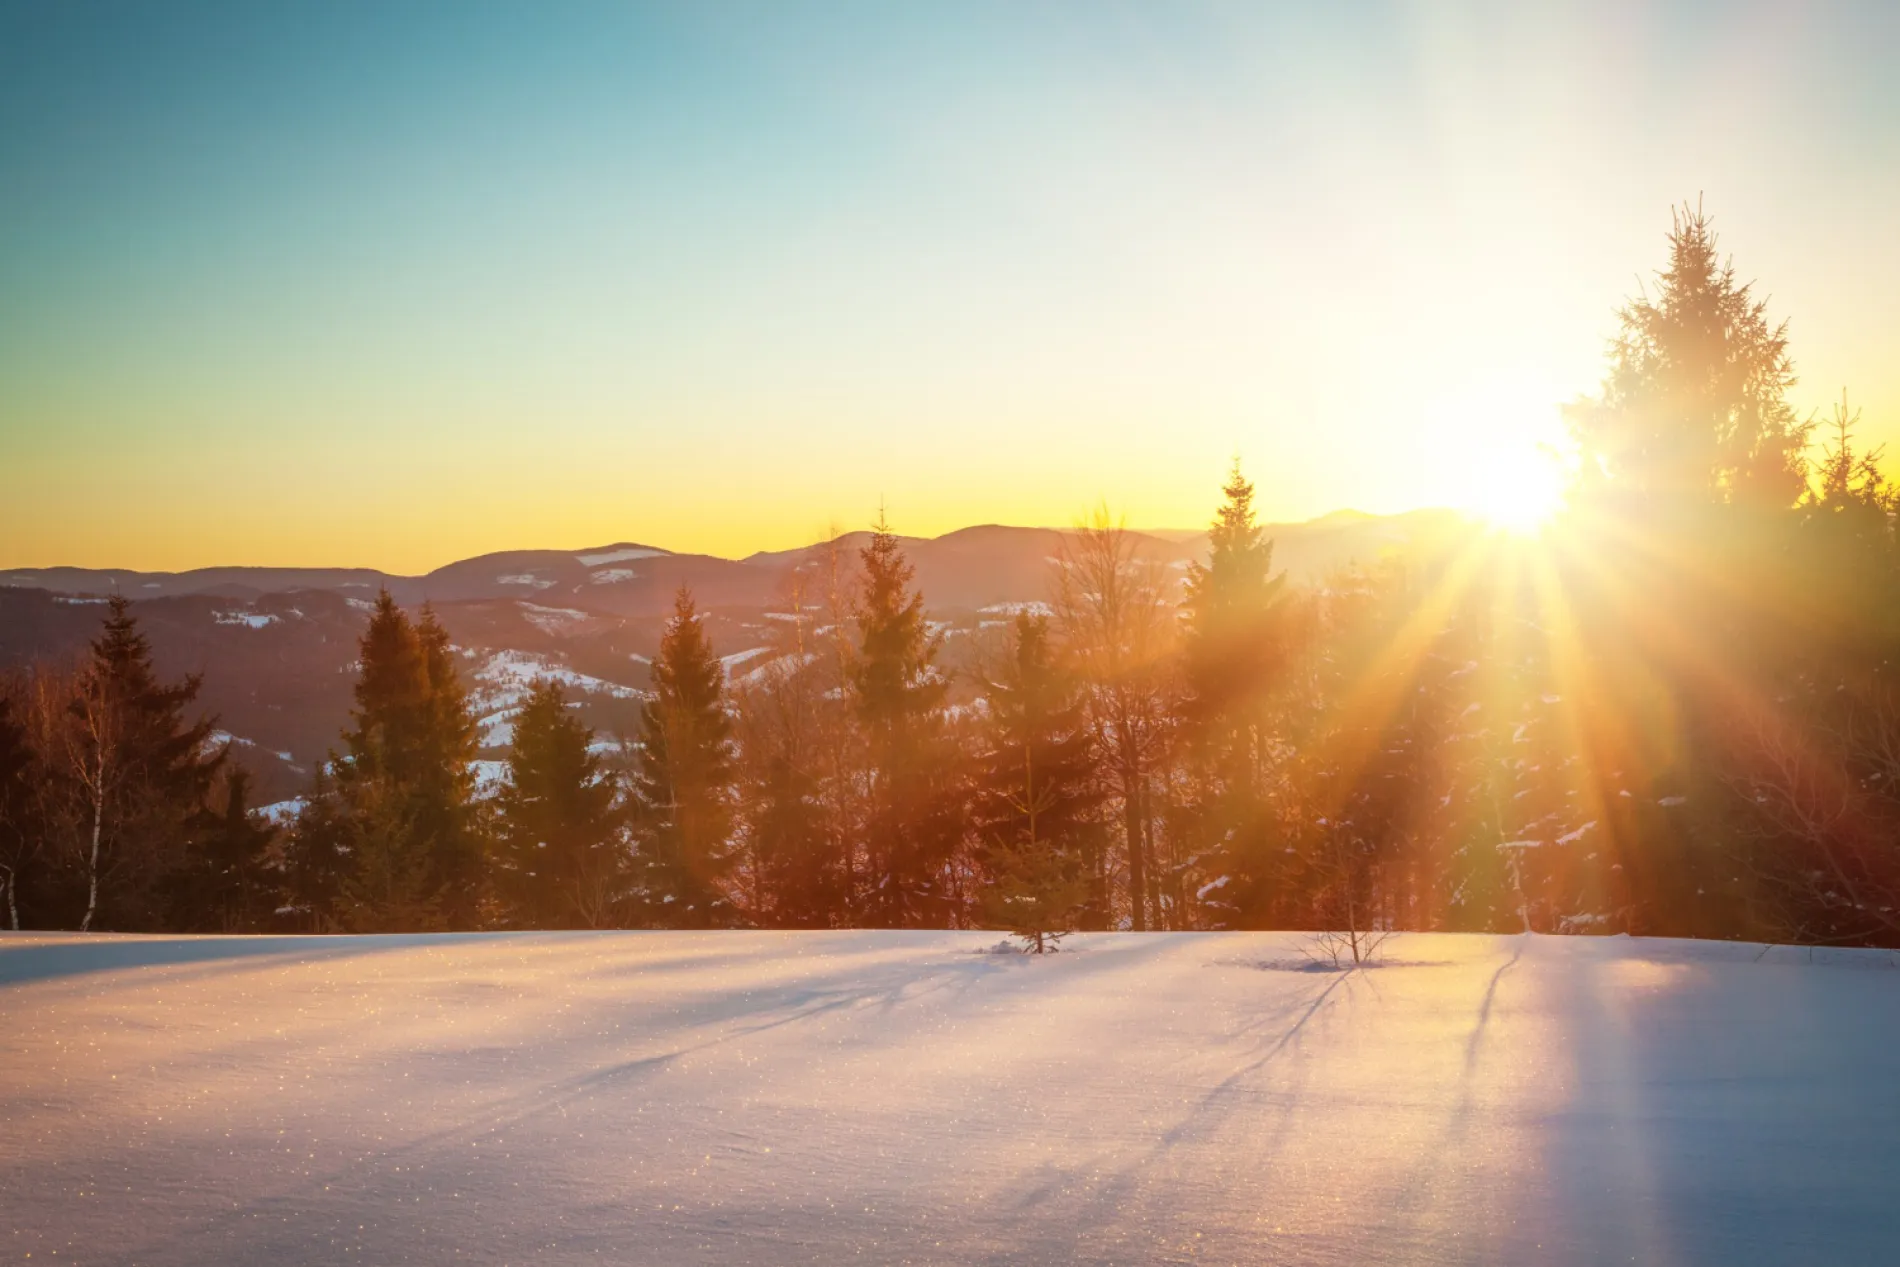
(275, 647)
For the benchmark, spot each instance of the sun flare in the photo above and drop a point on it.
(1519, 491)
(1512, 471)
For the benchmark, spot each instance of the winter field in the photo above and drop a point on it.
(903, 1097)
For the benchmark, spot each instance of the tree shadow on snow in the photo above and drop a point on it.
(48, 960)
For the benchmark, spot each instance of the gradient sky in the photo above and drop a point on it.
(392, 284)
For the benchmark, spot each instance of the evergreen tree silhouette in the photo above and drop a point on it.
(1037, 801)
(556, 823)
(224, 884)
(683, 782)
(1694, 407)
(446, 811)
(915, 818)
(390, 838)
(1233, 654)
(140, 773)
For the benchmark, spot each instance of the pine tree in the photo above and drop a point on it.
(446, 810)
(136, 773)
(1848, 553)
(389, 838)
(795, 867)
(390, 884)
(19, 821)
(915, 820)
(318, 856)
(1234, 655)
(1036, 799)
(557, 827)
(1695, 404)
(225, 884)
(1692, 459)
(683, 786)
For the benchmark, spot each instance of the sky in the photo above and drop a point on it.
(391, 285)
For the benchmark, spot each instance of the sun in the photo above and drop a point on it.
(1505, 450)
(1518, 490)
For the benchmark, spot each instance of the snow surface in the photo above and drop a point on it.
(505, 678)
(498, 731)
(908, 1097)
(219, 738)
(490, 776)
(627, 555)
(552, 620)
(256, 620)
(277, 813)
(738, 658)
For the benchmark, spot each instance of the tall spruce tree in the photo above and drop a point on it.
(1692, 459)
(1694, 407)
(448, 813)
(135, 773)
(389, 838)
(684, 781)
(557, 828)
(1234, 654)
(915, 817)
(1037, 800)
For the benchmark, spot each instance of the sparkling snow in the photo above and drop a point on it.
(892, 1097)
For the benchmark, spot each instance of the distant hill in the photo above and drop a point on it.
(277, 646)
(971, 567)
(1308, 551)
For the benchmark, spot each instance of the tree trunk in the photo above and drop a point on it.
(92, 860)
(1137, 862)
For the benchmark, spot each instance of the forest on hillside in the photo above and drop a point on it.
(1671, 711)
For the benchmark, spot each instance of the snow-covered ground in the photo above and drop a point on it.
(899, 1097)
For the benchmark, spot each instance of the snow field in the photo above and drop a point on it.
(902, 1097)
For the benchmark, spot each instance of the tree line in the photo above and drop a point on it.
(1672, 713)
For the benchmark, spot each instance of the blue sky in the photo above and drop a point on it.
(392, 284)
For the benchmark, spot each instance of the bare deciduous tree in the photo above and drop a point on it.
(1116, 615)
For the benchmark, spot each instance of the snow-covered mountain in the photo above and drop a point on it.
(276, 647)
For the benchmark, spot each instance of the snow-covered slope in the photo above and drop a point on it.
(893, 1097)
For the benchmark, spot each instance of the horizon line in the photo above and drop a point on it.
(1153, 531)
